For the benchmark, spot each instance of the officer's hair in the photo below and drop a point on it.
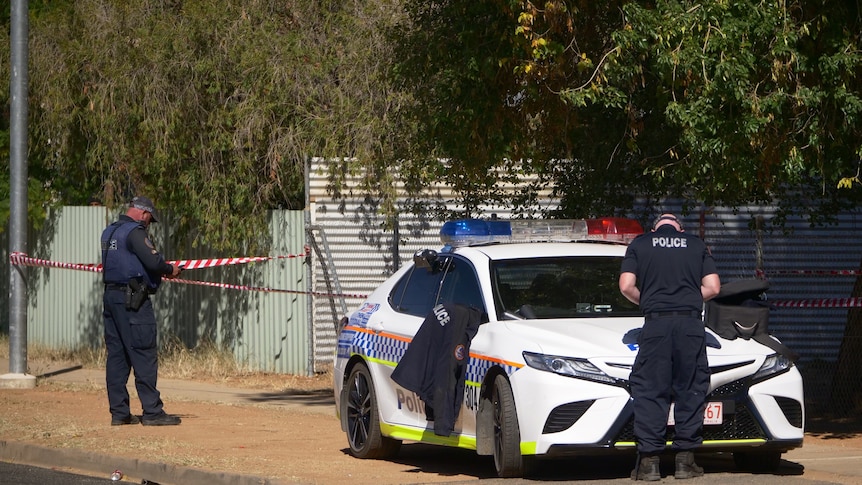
(667, 217)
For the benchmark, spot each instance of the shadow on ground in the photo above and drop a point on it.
(834, 427)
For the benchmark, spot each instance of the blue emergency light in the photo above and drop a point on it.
(467, 232)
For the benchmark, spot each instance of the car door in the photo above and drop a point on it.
(449, 280)
(460, 285)
(410, 301)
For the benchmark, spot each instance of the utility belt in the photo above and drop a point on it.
(136, 291)
(678, 313)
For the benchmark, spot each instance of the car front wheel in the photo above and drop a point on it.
(507, 436)
(363, 422)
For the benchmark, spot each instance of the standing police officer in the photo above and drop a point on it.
(669, 274)
(133, 270)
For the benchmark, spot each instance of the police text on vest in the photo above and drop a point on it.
(669, 242)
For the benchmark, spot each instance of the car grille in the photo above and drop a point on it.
(792, 410)
(738, 425)
(563, 417)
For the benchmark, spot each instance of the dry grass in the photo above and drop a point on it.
(207, 363)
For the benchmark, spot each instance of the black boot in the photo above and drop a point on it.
(647, 468)
(686, 467)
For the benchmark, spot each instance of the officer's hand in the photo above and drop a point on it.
(174, 272)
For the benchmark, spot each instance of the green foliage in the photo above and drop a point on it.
(213, 108)
(729, 102)
(765, 96)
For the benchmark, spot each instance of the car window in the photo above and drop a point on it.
(416, 292)
(571, 287)
(451, 281)
(461, 285)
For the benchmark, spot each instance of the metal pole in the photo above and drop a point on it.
(309, 269)
(18, 198)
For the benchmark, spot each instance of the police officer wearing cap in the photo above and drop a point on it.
(133, 270)
(669, 274)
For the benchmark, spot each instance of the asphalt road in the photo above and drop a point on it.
(594, 471)
(30, 475)
(720, 470)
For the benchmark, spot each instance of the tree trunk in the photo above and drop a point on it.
(846, 390)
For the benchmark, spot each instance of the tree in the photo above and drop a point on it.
(729, 103)
(215, 108)
(212, 109)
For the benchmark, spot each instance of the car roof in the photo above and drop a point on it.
(542, 250)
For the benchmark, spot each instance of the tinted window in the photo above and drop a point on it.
(416, 292)
(451, 281)
(573, 287)
(461, 285)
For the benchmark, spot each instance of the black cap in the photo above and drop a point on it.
(145, 204)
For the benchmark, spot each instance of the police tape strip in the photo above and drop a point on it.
(818, 272)
(263, 289)
(21, 259)
(853, 302)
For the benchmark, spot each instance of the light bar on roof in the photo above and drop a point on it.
(536, 230)
(468, 232)
(614, 229)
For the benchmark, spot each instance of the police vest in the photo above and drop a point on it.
(119, 265)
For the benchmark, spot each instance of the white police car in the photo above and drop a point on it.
(549, 365)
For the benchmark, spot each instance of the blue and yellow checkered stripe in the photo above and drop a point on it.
(388, 349)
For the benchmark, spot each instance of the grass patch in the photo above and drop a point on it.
(86, 357)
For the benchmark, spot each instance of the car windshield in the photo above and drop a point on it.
(568, 287)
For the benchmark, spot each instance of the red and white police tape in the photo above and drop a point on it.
(263, 289)
(854, 302)
(760, 273)
(21, 259)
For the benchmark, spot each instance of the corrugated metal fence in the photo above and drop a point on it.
(267, 330)
(804, 265)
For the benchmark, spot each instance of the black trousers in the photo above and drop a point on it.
(671, 366)
(131, 343)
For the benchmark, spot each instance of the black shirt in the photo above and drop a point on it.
(669, 266)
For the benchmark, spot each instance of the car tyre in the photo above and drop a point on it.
(363, 418)
(507, 437)
(757, 461)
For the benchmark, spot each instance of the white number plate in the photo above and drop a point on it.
(713, 414)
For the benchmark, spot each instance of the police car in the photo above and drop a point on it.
(547, 371)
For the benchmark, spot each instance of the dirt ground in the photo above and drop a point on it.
(290, 445)
(301, 446)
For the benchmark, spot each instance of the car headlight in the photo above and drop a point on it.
(570, 367)
(773, 365)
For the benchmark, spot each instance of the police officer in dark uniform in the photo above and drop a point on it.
(669, 274)
(132, 271)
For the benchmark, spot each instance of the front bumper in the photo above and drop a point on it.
(765, 416)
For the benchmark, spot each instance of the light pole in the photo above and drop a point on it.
(17, 376)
